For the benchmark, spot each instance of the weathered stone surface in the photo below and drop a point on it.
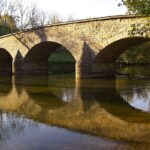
(90, 42)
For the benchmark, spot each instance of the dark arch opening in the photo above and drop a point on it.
(105, 62)
(111, 52)
(136, 55)
(135, 61)
(5, 62)
(49, 57)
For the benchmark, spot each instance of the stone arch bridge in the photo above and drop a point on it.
(95, 45)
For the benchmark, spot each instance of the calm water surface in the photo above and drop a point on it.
(59, 112)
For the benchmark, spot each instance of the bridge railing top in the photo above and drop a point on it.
(78, 21)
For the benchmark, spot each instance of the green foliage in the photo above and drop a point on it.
(140, 29)
(61, 55)
(141, 7)
(61, 61)
(137, 55)
(8, 21)
(7, 24)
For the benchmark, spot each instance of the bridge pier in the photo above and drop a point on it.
(104, 69)
(83, 69)
(95, 70)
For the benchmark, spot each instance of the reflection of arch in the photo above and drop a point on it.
(111, 52)
(36, 60)
(45, 99)
(135, 93)
(5, 62)
(62, 87)
(5, 85)
(38, 91)
(104, 93)
(124, 111)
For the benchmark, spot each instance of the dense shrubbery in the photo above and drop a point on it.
(7, 24)
(136, 55)
(140, 7)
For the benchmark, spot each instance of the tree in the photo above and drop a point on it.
(8, 8)
(54, 18)
(70, 18)
(7, 13)
(29, 17)
(37, 17)
(141, 7)
(7, 24)
(7, 21)
(1, 7)
(43, 17)
(23, 16)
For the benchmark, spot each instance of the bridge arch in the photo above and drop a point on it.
(105, 61)
(111, 52)
(5, 62)
(36, 60)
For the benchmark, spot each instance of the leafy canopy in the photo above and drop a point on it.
(141, 7)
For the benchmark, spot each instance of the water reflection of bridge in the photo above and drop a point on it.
(92, 106)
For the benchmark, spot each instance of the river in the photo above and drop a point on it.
(58, 112)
